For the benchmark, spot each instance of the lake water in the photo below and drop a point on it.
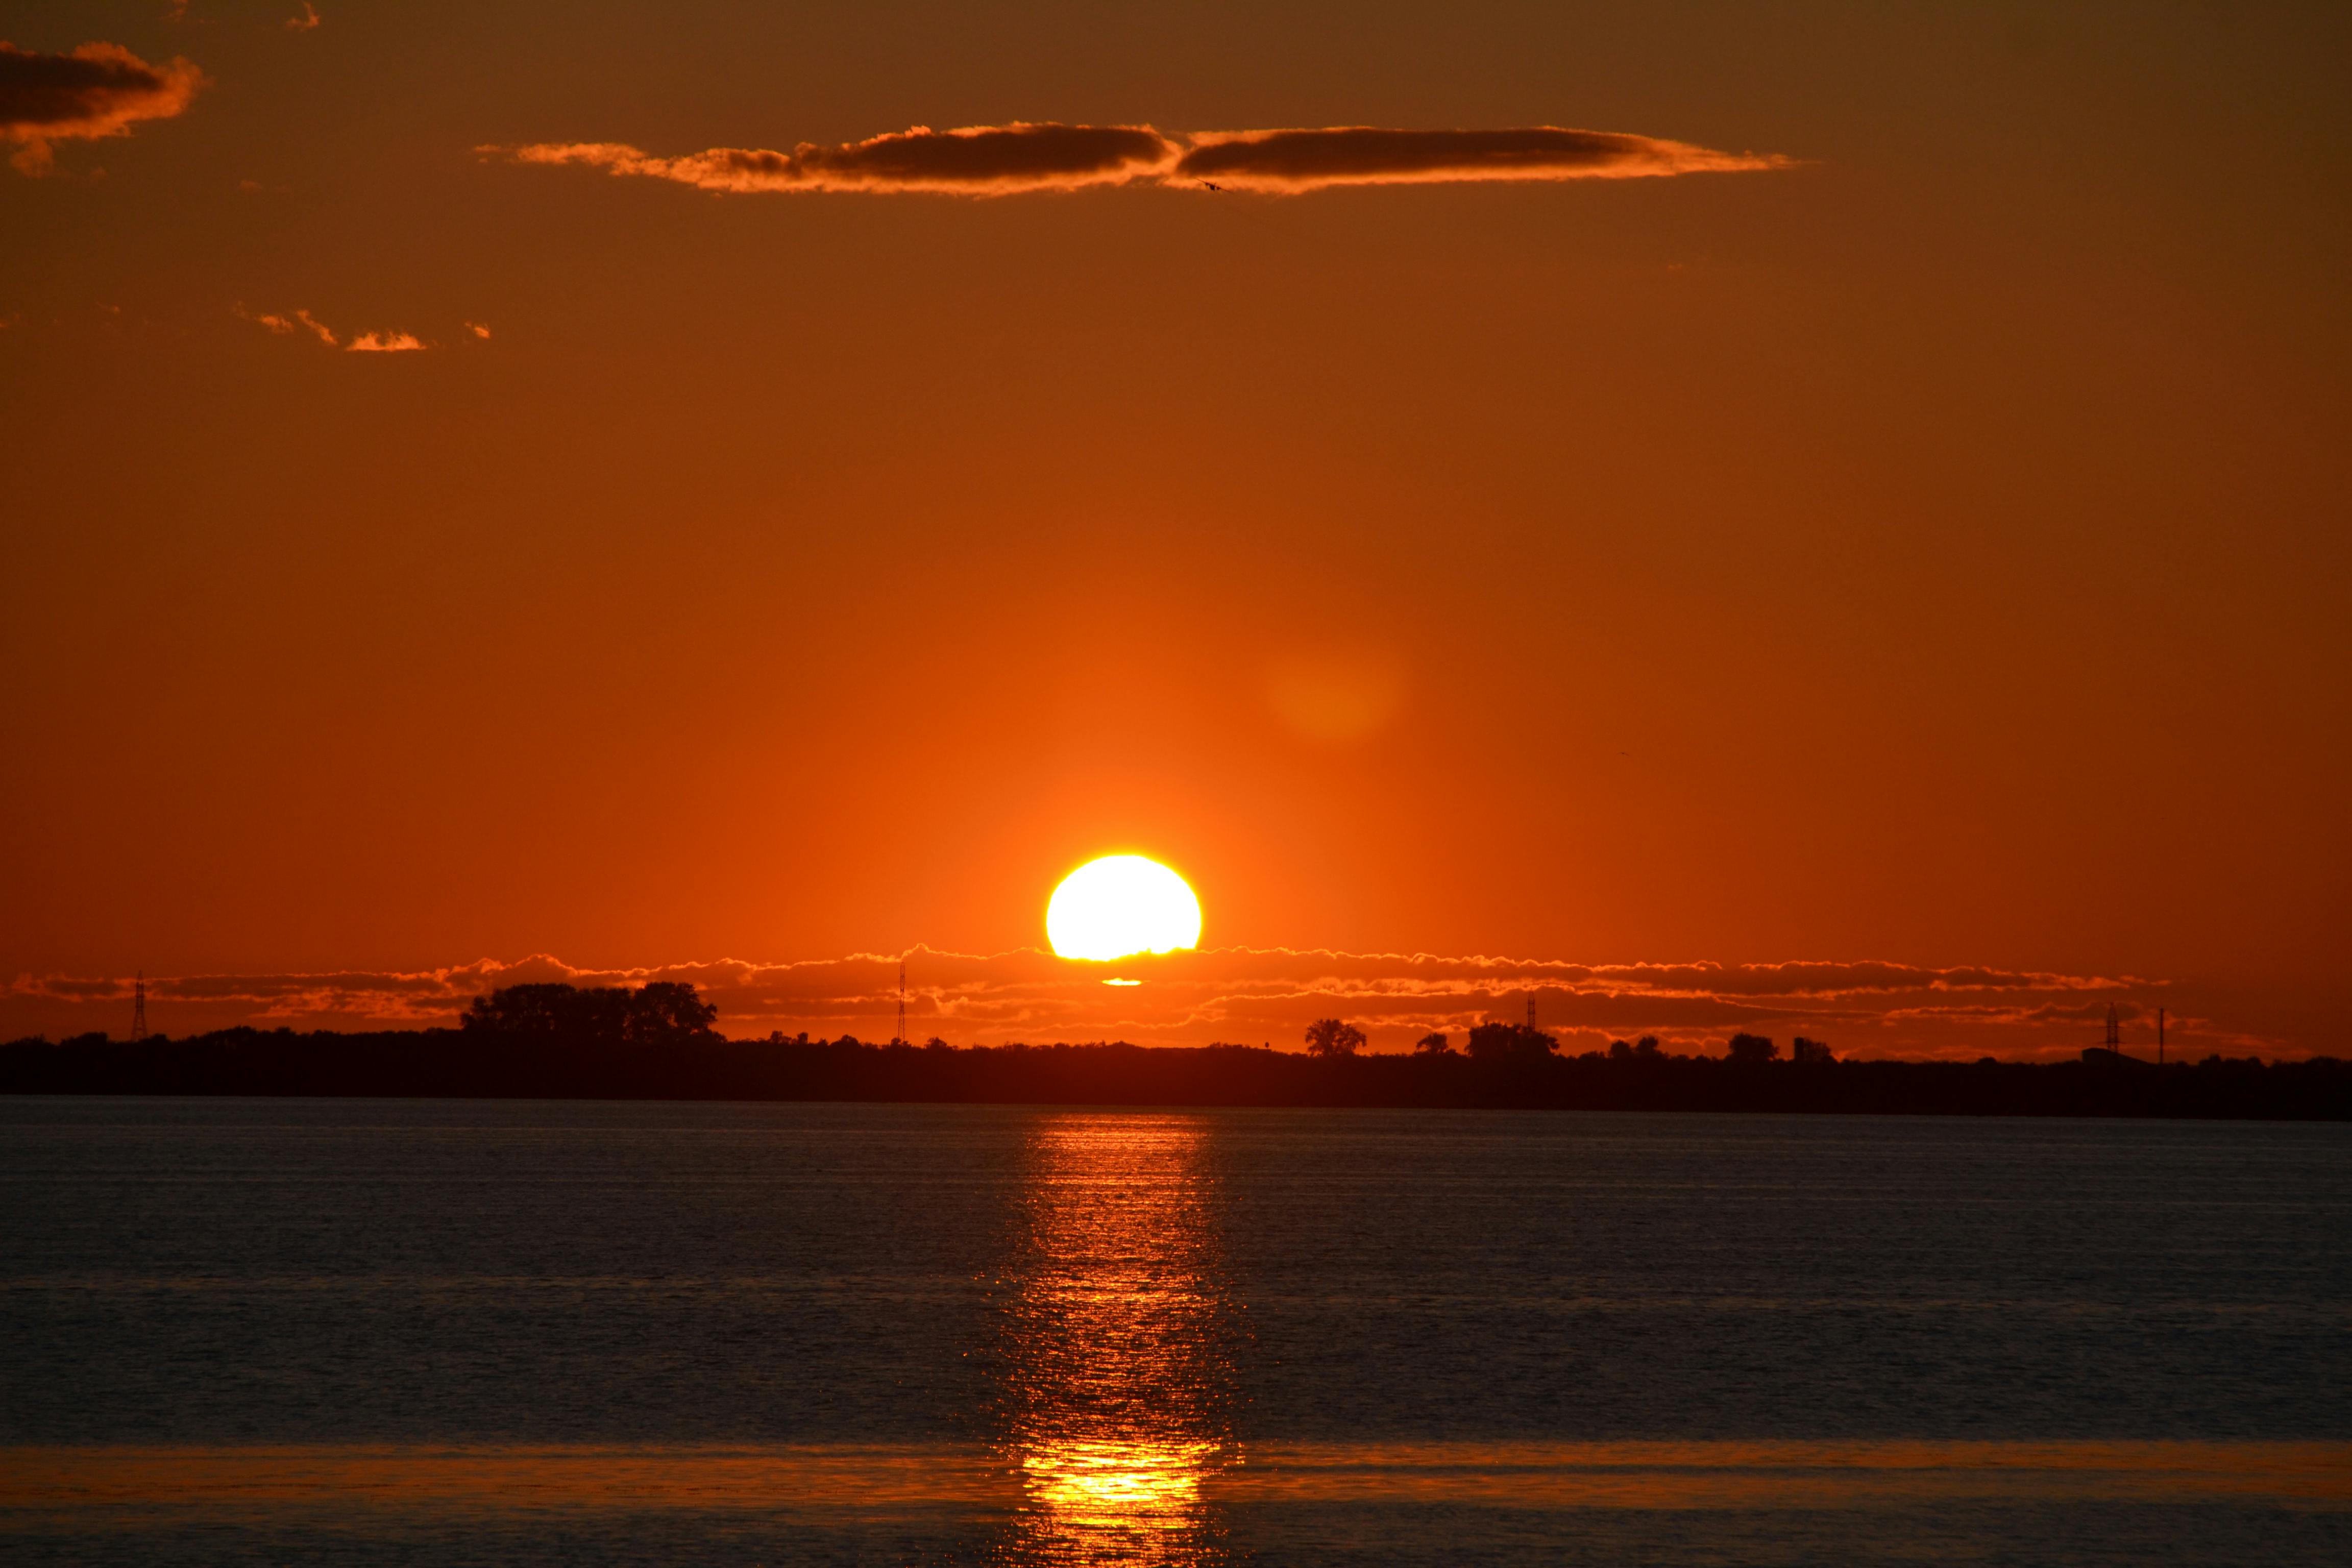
(458, 1333)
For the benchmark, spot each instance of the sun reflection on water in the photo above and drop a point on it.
(1120, 1367)
(1104, 1483)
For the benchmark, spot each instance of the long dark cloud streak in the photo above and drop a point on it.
(1287, 160)
(1009, 159)
(98, 89)
(994, 160)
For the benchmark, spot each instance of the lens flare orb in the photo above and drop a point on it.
(1121, 905)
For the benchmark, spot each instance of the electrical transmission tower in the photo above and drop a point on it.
(2115, 1029)
(902, 1038)
(139, 1007)
(1531, 1012)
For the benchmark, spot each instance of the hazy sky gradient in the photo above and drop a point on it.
(1933, 553)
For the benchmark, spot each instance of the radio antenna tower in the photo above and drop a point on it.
(139, 1007)
(1531, 1012)
(902, 1038)
(2159, 1036)
(2115, 1029)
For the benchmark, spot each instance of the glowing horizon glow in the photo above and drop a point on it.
(1120, 905)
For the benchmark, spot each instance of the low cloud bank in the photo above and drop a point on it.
(1004, 160)
(96, 91)
(1239, 995)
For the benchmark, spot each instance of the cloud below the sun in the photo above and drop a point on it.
(92, 91)
(1008, 160)
(1248, 995)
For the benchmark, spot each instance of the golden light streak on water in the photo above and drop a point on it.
(1115, 1345)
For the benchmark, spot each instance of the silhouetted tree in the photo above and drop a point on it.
(1331, 1038)
(1751, 1048)
(1646, 1047)
(1815, 1053)
(1510, 1042)
(1433, 1045)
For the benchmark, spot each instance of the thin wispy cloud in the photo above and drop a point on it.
(307, 21)
(285, 325)
(263, 319)
(1239, 995)
(1006, 160)
(93, 91)
(363, 343)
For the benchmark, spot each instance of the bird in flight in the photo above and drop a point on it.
(1213, 185)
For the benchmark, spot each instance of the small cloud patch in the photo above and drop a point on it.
(384, 343)
(93, 91)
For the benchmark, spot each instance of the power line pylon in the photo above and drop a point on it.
(139, 1007)
(902, 1038)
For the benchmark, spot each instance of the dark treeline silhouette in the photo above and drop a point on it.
(603, 1018)
(660, 1042)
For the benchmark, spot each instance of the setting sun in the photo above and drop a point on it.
(1119, 905)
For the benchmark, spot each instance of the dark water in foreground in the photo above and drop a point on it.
(454, 1333)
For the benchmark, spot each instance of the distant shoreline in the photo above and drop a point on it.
(461, 1064)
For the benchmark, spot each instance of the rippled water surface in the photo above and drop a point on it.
(456, 1332)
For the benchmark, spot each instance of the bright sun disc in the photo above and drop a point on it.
(1119, 905)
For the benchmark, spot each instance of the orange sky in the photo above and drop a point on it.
(1928, 550)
